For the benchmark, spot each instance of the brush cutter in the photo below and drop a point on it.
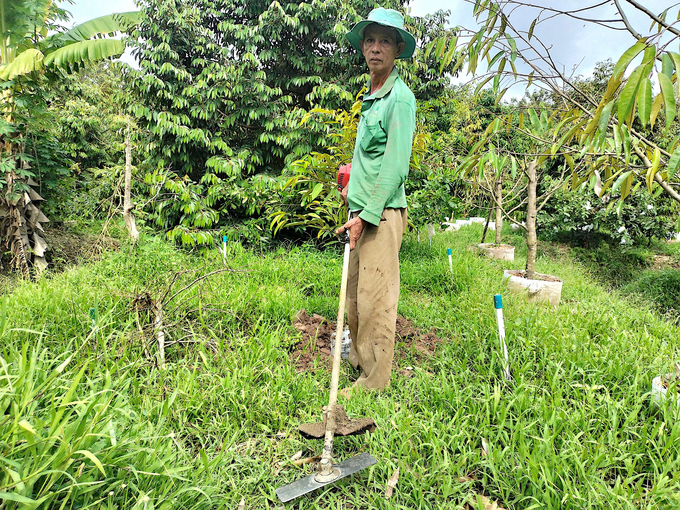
(335, 421)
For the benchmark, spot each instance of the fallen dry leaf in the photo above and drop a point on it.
(589, 386)
(242, 504)
(464, 479)
(486, 502)
(301, 462)
(296, 456)
(485, 448)
(391, 484)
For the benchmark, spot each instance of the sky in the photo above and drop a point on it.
(575, 45)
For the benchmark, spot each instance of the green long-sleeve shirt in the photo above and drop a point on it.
(383, 150)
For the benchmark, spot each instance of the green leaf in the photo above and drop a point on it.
(667, 65)
(675, 57)
(513, 47)
(627, 97)
(495, 58)
(620, 180)
(499, 97)
(93, 458)
(24, 63)
(103, 25)
(673, 164)
(531, 29)
(604, 118)
(628, 56)
(10, 496)
(535, 123)
(669, 98)
(85, 51)
(317, 189)
(644, 101)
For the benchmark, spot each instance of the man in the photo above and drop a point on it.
(376, 196)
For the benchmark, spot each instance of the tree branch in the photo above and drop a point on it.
(657, 177)
(651, 15)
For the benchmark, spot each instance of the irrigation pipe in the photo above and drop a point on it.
(448, 252)
(498, 304)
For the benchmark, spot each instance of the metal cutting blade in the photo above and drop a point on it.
(308, 483)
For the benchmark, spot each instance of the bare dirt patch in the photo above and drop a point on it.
(315, 343)
(665, 262)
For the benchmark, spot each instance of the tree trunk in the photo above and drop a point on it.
(127, 202)
(531, 221)
(488, 218)
(499, 211)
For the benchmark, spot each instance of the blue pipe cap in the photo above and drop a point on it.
(92, 313)
(448, 251)
(498, 301)
(224, 239)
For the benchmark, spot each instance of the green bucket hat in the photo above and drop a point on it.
(388, 18)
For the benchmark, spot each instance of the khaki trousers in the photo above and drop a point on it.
(372, 298)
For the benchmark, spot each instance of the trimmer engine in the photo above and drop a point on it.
(343, 176)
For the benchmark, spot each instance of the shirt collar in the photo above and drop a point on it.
(386, 88)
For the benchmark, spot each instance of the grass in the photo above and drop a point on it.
(110, 429)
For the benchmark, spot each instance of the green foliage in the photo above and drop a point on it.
(226, 85)
(611, 133)
(25, 47)
(87, 114)
(25, 50)
(578, 215)
(310, 199)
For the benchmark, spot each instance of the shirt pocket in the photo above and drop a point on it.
(374, 140)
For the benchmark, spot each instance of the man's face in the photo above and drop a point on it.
(380, 47)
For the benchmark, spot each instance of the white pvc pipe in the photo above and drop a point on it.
(224, 249)
(448, 252)
(498, 303)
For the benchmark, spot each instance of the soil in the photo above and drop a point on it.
(537, 276)
(494, 245)
(316, 343)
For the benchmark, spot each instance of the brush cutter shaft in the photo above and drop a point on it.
(327, 455)
(335, 375)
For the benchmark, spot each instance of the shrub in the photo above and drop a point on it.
(579, 217)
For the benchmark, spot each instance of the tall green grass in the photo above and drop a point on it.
(574, 430)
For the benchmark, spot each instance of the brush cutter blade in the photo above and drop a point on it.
(345, 426)
(308, 483)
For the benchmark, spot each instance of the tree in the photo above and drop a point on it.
(616, 137)
(27, 53)
(225, 86)
(540, 134)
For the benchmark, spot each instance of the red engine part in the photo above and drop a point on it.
(343, 176)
